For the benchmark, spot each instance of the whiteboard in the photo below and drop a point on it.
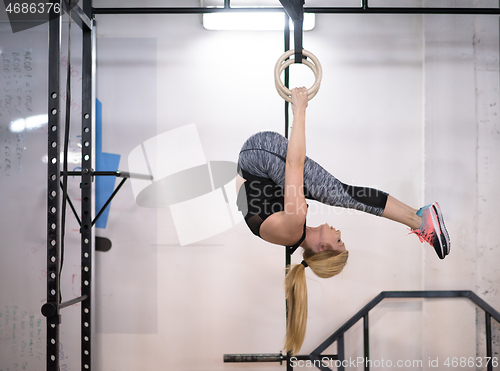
(23, 213)
(23, 174)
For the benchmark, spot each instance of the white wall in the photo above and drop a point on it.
(408, 104)
(461, 149)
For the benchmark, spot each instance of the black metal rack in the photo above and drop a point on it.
(51, 310)
(83, 17)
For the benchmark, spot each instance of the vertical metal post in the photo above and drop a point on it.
(86, 191)
(341, 352)
(289, 366)
(53, 199)
(489, 351)
(288, 252)
(366, 341)
(288, 262)
(287, 72)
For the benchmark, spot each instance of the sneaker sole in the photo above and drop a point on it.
(444, 238)
(435, 225)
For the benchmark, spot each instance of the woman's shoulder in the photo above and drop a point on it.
(276, 229)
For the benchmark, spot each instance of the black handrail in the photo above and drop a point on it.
(338, 335)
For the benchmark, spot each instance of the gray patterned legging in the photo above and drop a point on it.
(264, 155)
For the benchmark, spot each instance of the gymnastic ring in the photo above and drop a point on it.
(281, 64)
(286, 93)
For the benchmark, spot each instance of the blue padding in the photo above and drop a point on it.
(104, 185)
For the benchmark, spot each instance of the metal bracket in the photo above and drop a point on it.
(295, 10)
(77, 14)
(119, 174)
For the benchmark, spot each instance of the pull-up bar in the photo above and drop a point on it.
(317, 10)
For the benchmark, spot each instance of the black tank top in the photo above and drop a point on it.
(258, 198)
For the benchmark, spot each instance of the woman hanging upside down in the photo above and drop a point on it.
(278, 177)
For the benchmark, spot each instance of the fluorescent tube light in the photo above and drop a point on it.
(252, 21)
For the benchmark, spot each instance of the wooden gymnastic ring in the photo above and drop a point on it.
(313, 64)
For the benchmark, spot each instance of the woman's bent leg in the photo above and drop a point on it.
(401, 213)
(365, 199)
(324, 187)
(264, 155)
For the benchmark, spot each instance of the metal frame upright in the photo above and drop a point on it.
(51, 309)
(53, 199)
(86, 186)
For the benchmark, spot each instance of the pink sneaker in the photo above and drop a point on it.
(433, 229)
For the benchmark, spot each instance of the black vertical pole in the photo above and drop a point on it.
(366, 341)
(287, 72)
(288, 252)
(488, 340)
(341, 352)
(53, 199)
(86, 191)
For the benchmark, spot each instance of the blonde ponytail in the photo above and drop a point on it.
(296, 299)
(324, 264)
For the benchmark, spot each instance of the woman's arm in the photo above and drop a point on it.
(296, 153)
(295, 202)
(287, 227)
